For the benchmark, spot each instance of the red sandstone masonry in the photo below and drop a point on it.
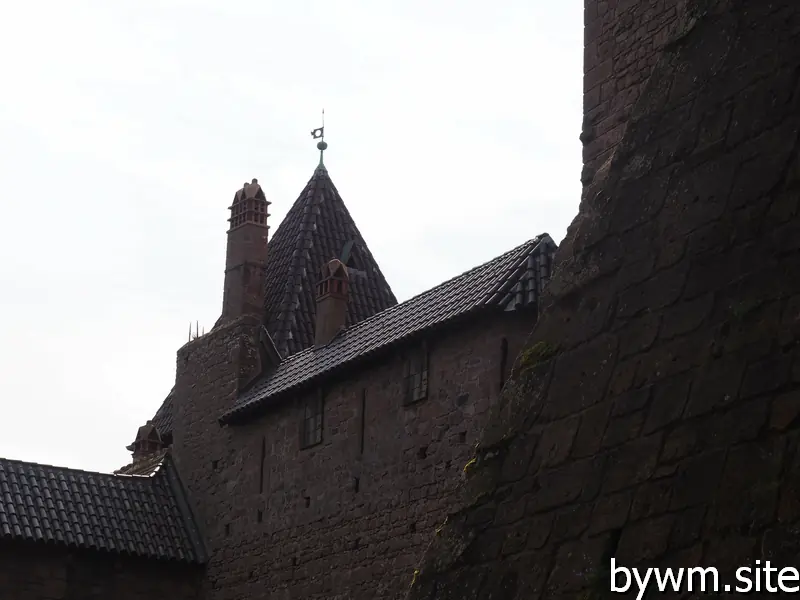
(665, 432)
(622, 41)
(309, 533)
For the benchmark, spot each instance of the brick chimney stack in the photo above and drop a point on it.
(332, 293)
(246, 254)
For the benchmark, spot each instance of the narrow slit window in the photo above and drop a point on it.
(363, 421)
(503, 362)
(416, 374)
(261, 465)
(312, 421)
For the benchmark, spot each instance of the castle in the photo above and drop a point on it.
(324, 441)
(314, 436)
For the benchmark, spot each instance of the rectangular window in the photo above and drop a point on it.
(312, 421)
(416, 375)
(261, 465)
(503, 362)
(363, 421)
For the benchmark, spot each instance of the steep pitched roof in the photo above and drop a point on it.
(141, 516)
(317, 228)
(163, 417)
(512, 280)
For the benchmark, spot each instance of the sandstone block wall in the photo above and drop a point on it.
(658, 422)
(210, 372)
(331, 521)
(36, 573)
(622, 41)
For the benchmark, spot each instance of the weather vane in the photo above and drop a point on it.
(319, 133)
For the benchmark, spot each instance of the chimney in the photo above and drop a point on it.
(332, 292)
(148, 441)
(246, 255)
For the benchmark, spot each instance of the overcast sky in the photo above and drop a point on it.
(126, 127)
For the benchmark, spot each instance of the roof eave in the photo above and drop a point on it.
(491, 302)
(243, 414)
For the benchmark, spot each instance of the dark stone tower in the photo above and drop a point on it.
(653, 418)
(246, 254)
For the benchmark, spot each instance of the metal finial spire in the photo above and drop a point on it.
(319, 133)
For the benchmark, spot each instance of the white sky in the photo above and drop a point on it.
(126, 127)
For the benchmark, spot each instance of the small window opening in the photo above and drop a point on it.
(356, 484)
(261, 465)
(422, 452)
(462, 437)
(307, 500)
(416, 375)
(503, 362)
(363, 421)
(312, 421)
(227, 529)
(259, 516)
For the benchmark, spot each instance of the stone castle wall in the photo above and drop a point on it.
(658, 419)
(622, 41)
(333, 520)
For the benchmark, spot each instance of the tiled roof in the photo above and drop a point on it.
(142, 516)
(317, 228)
(163, 417)
(146, 465)
(509, 281)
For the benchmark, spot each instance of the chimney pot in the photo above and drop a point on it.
(245, 260)
(332, 298)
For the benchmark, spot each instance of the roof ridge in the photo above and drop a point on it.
(498, 258)
(96, 511)
(291, 294)
(353, 224)
(70, 469)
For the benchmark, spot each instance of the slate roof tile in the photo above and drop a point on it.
(134, 515)
(163, 417)
(316, 229)
(508, 281)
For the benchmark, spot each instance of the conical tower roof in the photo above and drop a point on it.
(317, 228)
